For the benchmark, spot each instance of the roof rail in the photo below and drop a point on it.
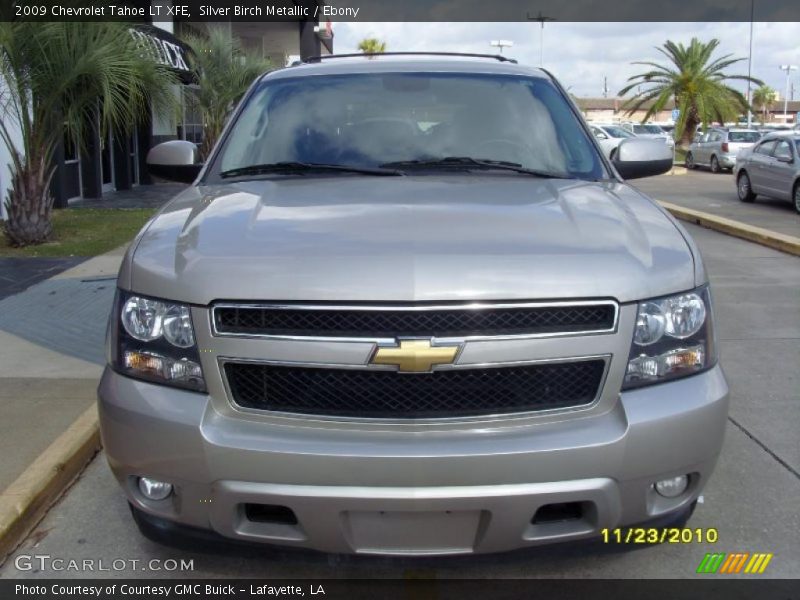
(498, 57)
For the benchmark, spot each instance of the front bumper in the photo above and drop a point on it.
(433, 491)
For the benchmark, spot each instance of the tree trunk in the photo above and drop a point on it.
(692, 121)
(29, 204)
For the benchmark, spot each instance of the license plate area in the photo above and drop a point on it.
(413, 532)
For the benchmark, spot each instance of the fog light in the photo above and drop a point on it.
(154, 490)
(672, 488)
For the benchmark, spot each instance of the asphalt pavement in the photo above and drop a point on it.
(751, 500)
(716, 194)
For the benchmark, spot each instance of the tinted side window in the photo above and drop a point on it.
(782, 150)
(743, 136)
(765, 148)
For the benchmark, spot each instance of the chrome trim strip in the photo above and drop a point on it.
(415, 308)
(606, 358)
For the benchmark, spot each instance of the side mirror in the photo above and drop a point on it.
(175, 160)
(642, 157)
(601, 136)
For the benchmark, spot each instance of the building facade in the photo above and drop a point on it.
(117, 162)
(612, 110)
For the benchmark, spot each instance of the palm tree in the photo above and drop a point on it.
(696, 83)
(372, 46)
(762, 98)
(224, 71)
(65, 78)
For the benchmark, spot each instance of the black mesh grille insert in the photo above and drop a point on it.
(448, 322)
(388, 394)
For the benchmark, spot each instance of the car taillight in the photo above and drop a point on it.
(725, 146)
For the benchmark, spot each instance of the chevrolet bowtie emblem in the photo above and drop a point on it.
(415, 356)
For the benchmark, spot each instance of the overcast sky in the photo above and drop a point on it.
(581, 54)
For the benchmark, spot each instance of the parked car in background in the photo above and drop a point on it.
(649, 130)
(718, 147)
(668, 128)
(609, 137)
(771, 168)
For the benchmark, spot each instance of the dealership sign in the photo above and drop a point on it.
(164, 48)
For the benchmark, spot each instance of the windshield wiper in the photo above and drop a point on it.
(467, 162)
(303, 167)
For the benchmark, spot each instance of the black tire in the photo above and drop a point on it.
(715, 168)
(796, 196)
(743, 188)
(690, 161)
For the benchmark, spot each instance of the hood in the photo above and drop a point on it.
(413, 238)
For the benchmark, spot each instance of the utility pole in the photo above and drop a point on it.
(501, 44)
(750, 67)
(605, 86)
(541, 18)
(788, 69)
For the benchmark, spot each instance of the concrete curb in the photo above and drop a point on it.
(759, 235)
(26, 501)
(676, 170)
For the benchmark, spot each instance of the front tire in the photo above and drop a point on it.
(715, 168)
(745, 190)
(690, 161)
(796, 196)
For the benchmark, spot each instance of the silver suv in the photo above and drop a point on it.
(717, 148)
(408, 307)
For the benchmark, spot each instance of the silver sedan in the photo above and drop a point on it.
(770, 168)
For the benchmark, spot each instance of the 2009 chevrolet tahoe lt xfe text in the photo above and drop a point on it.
(408, 307)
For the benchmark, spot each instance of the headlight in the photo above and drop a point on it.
(154, 340)
(673, 337)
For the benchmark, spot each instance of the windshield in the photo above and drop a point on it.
(617, 132)
(647, 129)
(744, 136)
(368, 120)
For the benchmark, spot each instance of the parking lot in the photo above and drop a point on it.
(750, 501)
(716, 193)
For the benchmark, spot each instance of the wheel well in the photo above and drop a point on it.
(795, 186)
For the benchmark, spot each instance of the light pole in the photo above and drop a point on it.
(541, 18)
(750, 67)
(788, 69)
(501, 44)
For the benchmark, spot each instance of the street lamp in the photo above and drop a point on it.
(750, 67)
(541, 18)
(501, 44)
(788, 69)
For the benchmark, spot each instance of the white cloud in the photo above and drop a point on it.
(582, 54)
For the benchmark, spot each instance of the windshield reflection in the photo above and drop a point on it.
(367, 120)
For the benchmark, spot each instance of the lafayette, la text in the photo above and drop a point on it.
(178, 589)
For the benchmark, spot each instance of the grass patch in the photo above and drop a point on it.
(84, 232)
(680, 156)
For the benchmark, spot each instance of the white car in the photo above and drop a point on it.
(649, 130)
(609, 136)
